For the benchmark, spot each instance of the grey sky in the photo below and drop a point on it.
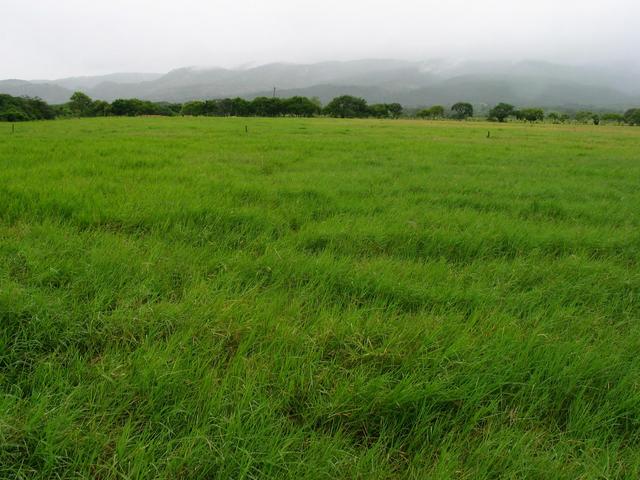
(56, 38)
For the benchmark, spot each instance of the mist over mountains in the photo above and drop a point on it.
(412, 84)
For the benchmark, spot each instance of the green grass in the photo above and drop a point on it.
(319, 299)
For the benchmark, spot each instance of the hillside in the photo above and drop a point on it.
(410, 83)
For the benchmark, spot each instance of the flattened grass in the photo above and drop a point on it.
(319, 299)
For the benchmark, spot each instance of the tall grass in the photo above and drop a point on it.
(319, 299)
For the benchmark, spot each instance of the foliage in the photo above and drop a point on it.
(347, 106)
(586, 117)
(462, 111)
(132, 107)
(632, 116)
(12, 114)
(20, 109)
(501, 112)
(300, 107)
(385, 110)
(553, 117)
(81, 105)
(195, 108)
(395, 109)
(16, 109)
(435, 112)
(100, 108)
(612, 118)
(267, 107)
(169, 109)
(531, 114)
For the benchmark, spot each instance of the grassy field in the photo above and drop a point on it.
(319, 299)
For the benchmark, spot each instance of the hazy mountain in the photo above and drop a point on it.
(78, 83)
(410, 83)
(50, 92)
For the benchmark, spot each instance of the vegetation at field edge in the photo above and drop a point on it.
(80, 105)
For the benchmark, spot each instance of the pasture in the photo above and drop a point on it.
(318, 298)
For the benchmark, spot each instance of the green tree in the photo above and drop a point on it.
(395, 110)
(612, 118)
(81, 105)
(13, 114)
(553, 117)
(501, 112)
(222, 107)
(584, 117)
(19, 109)
(632, 116)
(378, 110)
(433, 113)
(347, 106)
(462, 111)
(167, 109)
(241, 107)
(300, 107)
(131, 107)
(532, 114)
(100, 108)
(267, 106)
(385, 110)
(195, 108)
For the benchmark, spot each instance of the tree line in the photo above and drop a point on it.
(16, 109)
(81, 105)
(22, 109)
(504, 112)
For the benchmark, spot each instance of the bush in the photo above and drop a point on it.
(347, 106)
(462, 111)
(632, 116)
(433, 113)
(532, 114)
(13, 115)
(501, 112)
(21, 109)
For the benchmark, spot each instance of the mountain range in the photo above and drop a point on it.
(412, 84)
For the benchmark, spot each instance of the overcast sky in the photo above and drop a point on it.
(57, 38)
